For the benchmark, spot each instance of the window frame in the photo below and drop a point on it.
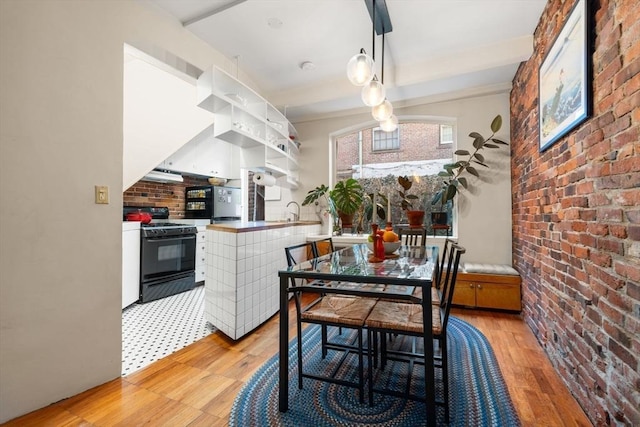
(395, 137)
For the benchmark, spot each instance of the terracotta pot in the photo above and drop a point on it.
(416, 219)
(347, 220)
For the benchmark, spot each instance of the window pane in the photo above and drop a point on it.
(386, 140)
(446, 134)
(377, 158)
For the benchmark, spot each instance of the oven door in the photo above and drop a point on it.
(164, 256)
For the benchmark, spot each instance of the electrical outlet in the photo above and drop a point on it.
(102, 195)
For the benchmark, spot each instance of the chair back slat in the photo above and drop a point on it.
(413, 236)
(443, 263)
(324, 246)
(455, 252)
(300, 253)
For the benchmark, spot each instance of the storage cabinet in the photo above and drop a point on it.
(207, 156)
(130, 263)
(201, 265)
(246, 120)
(488, 291)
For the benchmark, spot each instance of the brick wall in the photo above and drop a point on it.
(576, 218)
(157, 194)
(418, 141)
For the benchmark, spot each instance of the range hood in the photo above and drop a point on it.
(161, 176)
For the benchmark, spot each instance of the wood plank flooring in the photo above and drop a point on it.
(196, 386)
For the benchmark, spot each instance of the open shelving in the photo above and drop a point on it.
(244, 118)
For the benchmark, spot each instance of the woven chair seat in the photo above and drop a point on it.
(402, 317)
(435, 296)
(340, 310)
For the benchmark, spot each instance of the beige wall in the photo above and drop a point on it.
(484, 225)
(61, 100)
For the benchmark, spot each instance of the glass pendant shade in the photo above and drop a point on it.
(390, 124)
(360, 69)
(373, 93)
(382, 111)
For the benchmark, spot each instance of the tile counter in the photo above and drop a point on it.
(243, 260)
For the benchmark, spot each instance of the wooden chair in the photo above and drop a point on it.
(324, 246)
(401, 318)
(413, 236)
(328, 310)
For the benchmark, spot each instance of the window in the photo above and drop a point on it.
(373, 158)
(446, 134)
(383, 141)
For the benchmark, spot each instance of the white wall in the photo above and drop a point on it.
(484, 222)
(61, 79)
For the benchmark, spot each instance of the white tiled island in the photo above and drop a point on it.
(243, 259)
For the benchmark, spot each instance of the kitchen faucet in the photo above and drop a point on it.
(296, 216)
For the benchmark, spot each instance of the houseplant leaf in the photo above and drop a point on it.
(496, 124)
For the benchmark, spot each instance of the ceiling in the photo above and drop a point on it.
(437, 49)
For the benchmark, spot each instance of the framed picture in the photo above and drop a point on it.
(564, 84)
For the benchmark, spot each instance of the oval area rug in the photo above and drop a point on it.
(478, 394)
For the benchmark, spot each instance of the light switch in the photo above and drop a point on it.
(102, 195)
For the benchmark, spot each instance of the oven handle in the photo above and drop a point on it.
(165, 239)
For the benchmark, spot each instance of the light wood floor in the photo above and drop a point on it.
(196, 386)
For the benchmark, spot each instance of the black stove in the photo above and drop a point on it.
(166, 229)
(167, 254)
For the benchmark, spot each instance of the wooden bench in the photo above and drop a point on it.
(488, 286)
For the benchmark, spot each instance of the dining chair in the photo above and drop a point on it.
(328, 309)
(413, 236)
(402, 318)
(324, 246)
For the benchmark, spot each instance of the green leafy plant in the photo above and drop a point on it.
(406, 200)
(347, 196)
(453, 172)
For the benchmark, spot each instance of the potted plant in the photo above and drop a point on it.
(342, 202)
(453, 172)
(414, 216)
(347, 198)
(367, 208)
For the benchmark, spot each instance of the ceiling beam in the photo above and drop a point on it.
(381, 20)
(212, 12)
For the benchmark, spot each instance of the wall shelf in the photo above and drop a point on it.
(245, 119)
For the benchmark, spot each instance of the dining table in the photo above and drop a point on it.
(402, 271)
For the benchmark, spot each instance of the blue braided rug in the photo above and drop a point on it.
(478, 394)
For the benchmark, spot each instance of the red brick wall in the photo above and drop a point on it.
(157, 194)
(576, 218)
(418, 141)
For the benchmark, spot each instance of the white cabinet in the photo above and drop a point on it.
(130, 263)
(201, 266)
(246, 120)
(206, 155)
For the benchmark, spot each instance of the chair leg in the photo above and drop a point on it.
(445, 376)
(361, 367)
(299, 352)
(371, 354)
(324, 341)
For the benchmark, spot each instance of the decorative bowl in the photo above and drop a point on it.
(217, 181)
(389, 247)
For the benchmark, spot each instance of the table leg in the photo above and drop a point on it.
(283, 401)
(429, 375)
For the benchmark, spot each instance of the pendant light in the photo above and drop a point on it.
(360, 69)
(382, 111)
(373, 93)
(390, 124)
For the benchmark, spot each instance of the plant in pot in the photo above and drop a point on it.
(342, 202)
(407, 201)
(453, 172)
(319, 197)
(347, 196)
(365, 212)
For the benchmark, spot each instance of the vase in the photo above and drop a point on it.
(416, 219)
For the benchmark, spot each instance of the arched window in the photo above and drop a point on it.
(417, 149)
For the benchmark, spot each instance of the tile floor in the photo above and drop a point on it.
(156, 329)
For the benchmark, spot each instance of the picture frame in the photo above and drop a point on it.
(564, 79)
